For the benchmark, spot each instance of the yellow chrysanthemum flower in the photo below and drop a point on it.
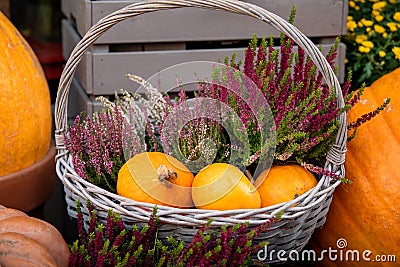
(379, 18)
(396, 16)
(361, 38)
(352, 4)
(379, 5)
(368, 44)
(384, 35)
(373, 1)
(379, 29)
(392, 26)
(357, 8)
(393, 1)
(396, 52)
(351, 25)
(366, 23)
(349, 18)
(364, 49)
(375, 13)
(382, 53)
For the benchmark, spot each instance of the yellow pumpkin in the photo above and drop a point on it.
(367, 213)
(283, 183)
(221, 186)
(25, 120)
(157, 178)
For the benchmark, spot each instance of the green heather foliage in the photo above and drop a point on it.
(113, 244)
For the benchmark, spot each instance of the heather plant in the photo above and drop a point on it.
(96, 146)
(143, 113)
(226, 119)
(114, 244)
(372, 39)
(203, 136)
(101, 144)
(304, 109)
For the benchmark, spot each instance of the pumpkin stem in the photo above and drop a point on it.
(166, 175)
(247, 173)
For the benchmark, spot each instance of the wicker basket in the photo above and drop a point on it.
(297, 223)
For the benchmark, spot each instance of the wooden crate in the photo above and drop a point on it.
(316, 18)
(79, 101)
(151, 42)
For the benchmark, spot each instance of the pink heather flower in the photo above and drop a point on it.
(81, 229)
(321, 171)
(79, 166)
(368, 116)
(96, 146)
(249, 69)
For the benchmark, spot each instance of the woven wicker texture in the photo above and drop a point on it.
(297, 223)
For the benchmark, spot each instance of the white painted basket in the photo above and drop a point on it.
(298, 221)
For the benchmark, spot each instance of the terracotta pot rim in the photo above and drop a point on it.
(28, 188)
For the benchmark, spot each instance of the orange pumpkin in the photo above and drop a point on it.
(283, 183)
(157, 178)
(6, 213)
(221, 186)
(25, 126)
(19, 250)
(367, 212)
(28, 241)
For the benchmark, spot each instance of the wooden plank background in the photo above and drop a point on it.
(316, 18)
(102, 72)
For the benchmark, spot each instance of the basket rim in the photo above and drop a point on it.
(336, 155)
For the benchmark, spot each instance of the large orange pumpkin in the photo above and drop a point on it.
(25, 114)
(157, 178)
(284, 183)
(28, 241)
(222, 186)
(367, 213)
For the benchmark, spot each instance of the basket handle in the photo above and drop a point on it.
(336, 155)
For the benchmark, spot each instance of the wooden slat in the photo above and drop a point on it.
(78, 101)
(109, 68)
(79, 13)
(316, 18)
(102, 72)
(84, 70)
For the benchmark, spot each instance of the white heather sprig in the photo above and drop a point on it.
(142, 113)
(154, 103)
(135, 122)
